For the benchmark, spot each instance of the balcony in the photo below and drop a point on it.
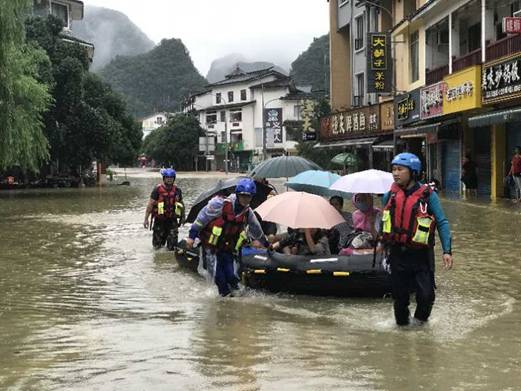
(435, 75)
(468, 60)
(504, 47)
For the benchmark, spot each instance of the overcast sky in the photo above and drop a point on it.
(269, 30)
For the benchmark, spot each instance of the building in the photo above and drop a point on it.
(244, 117)
(153, 122)
(67, 11)
(362, 120)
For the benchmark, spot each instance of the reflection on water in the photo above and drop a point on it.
(87, 304)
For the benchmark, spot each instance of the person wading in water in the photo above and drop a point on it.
(412, 212)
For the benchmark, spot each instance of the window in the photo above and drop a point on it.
(359, 37)
(218, 98)
(211, 117)
(414, 56)
(236, 116)
(296, 111)
(359, 90)
(243, 94)
(61, 11)
(159, 120)
(223, 116)
(230, 96)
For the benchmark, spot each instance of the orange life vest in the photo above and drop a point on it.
(226, 232)
(164, 208)
(405, 219)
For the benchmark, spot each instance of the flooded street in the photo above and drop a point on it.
(86, 304)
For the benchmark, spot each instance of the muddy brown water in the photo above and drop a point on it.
(86, 304)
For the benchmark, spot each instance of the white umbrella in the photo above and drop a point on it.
(368, 181)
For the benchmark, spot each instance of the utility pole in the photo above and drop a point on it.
(225, 143)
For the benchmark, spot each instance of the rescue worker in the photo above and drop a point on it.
(411, 214)
(167, 210)
(221, 227)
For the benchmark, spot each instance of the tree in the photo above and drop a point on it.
(312, 66)
(23, 98)
(175, 144)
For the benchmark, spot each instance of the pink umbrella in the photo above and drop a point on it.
(300, 210)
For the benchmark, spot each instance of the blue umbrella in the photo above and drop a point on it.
(316, 182)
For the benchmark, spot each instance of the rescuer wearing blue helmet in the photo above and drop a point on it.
(221, 227)
(167, 210)
(411, 214)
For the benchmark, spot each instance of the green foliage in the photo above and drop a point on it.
(312, 66)
(23, 98)
(175, 144)
(88, 120)
(157, 80)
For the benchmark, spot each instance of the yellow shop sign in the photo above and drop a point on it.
(463, 90)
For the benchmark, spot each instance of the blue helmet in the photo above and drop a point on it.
(246, 186)
(409, 160)
(168, 173)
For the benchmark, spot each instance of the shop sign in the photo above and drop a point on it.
(350, 123)
(501, 80)
(462, 90)
(379, 68)
(387, 116)
(431, 100)
(307, 115)
(512, 25)
(407, 108)
(273, 126)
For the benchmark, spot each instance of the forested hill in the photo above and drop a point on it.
(312, 66)
(112, 33)
(157, 80)
(225, 65)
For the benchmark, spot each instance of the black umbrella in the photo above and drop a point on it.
(225, 187)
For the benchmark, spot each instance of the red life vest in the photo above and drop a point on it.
(224, 232)
(164, 208)
(405, 219)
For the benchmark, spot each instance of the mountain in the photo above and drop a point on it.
(225, 65)
(157, 80)
(112, 33)
(312, 66)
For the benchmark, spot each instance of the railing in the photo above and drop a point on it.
(469, 59)
(504, 47)
(435, 75)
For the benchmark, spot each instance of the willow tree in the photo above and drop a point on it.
(23, 98)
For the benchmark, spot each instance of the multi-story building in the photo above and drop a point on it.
(361, 121)
(244, 116)
(67, 11)
(153, 122)
(459, 71)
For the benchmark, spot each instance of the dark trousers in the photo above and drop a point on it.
(412, 270)
(225, 277)
(165, 231)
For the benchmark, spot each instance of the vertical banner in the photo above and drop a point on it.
(379, 64)
(273, 126)
(307, 114)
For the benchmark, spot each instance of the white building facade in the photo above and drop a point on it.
(231, 112)
(153, 122)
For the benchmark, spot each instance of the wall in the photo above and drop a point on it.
(340, 51)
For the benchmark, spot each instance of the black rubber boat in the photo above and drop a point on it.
(358, 275)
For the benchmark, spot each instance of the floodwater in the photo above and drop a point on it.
(86, 304)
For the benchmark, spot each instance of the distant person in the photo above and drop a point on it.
(167, 210)
(515, 172)
(411, 214)
(366, 217)
(469, 176)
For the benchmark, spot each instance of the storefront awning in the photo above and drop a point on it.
(346, 143)
(417, 131)
(497, 117)
(385, 145)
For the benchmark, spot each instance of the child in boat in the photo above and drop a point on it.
(302, 242)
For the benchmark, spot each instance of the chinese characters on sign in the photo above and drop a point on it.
(273, 125)
(379, 63)
(461, 91)
(501, 80)
(407, 108)
(431, 100)
(351, 123)
(511, 25)
(307, 113)
(387, 116)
